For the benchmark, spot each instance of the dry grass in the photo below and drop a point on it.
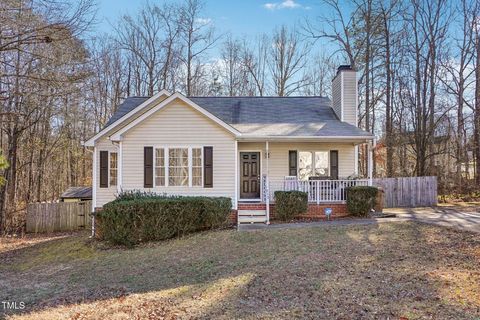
(390, 270)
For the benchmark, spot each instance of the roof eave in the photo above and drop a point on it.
(359, 139)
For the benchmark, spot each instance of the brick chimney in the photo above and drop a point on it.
(344, 94)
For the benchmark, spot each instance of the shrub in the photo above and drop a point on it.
(149, 218)
(138, 194)
(361, 199)
(289, 204)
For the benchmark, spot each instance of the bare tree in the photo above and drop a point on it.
(198, 36)
(477, 105)
(288, 58)
(235, 72)
(458, 71)
(255, 59)
(150, 38)
(321, 71)
(38, 58)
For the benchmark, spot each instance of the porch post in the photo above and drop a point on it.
(370, 163)
(235, 198)
(267, 183)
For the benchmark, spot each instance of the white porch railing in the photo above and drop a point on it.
(319, 191)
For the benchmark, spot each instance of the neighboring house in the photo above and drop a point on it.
(244, 148)
(76, 194)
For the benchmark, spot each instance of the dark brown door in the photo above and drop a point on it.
(249, 175)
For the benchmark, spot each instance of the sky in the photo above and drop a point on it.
(241, 18)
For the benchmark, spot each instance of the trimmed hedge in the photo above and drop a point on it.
(289, 204)
(129, 221)
(361, 199)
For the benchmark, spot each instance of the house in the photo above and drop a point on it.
(76, 194)
(244, 148)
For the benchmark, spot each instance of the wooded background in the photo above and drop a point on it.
(418, 64)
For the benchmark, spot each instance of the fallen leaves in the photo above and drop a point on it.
(388, 271)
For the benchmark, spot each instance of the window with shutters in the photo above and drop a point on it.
(178, 166)
(113, 168)
(313, 164)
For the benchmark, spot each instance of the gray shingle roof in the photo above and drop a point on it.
(268, 116)
(78, 192)
(125, 107)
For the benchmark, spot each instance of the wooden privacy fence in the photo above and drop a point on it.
(408, 191)
(58, 216)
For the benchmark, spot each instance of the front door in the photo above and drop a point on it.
(250, 175)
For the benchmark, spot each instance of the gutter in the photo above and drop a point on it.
(360, 139)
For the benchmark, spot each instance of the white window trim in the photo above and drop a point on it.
(167, 164)
(313, 161)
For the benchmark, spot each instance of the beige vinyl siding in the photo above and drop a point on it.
(344, 96)
(278, 162)
(179, 125)
(350, 97)
(337, 95)
(104, 195)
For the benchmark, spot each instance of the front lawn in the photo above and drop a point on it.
(389, 270)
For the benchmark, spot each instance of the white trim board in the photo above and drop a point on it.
(117, 136)
(91, 142)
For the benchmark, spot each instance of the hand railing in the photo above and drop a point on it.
(318, 190)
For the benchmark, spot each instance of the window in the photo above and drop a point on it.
(160, 167)
(321, 163)
(113, 168)
(312, 164)
(305, 165)
(178, 167)
(196, 167)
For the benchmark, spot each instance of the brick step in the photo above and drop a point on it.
(252, 206)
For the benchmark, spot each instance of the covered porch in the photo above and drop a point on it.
(323, 168)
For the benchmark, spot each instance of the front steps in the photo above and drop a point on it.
(246, 216)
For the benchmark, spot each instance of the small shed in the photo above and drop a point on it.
(76, 194)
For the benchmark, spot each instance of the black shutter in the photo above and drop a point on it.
(148, 167)
(292, 163)
(334, 164)
(103, 169)
(208, 167)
